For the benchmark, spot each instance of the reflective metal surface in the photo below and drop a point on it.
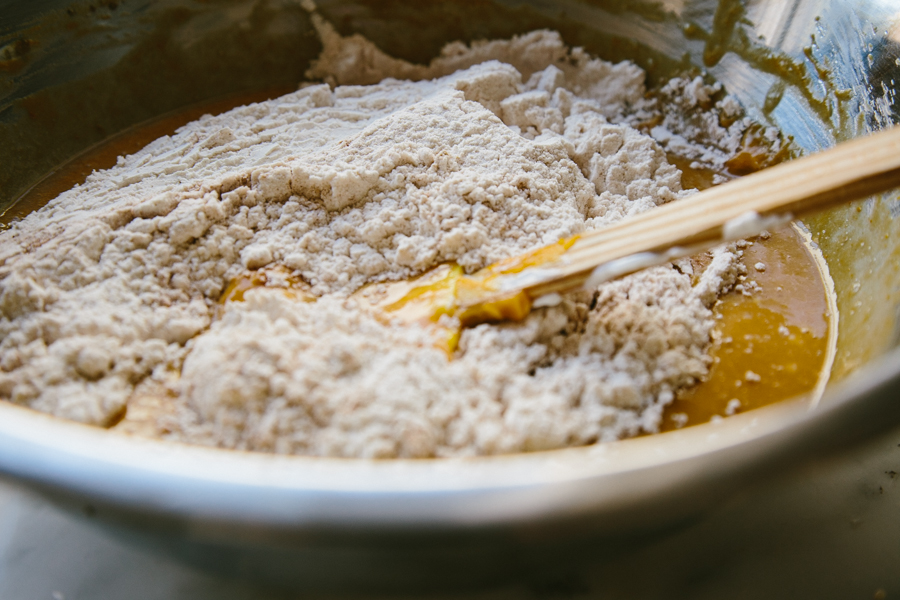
(821, 71)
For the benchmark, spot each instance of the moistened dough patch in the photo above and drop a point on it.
(109, 295)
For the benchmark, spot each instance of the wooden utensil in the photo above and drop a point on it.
(739, 209)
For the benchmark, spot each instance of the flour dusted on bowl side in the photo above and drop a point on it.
(110, 294)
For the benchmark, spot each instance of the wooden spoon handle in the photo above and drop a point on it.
(849, 171)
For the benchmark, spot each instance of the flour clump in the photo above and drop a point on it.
(111, 294)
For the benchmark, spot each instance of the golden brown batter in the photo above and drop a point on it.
(749, 339)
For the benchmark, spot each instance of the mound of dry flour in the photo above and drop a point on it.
(109, 296)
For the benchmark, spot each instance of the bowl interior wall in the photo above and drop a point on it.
(73, 73)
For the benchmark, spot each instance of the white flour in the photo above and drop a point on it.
(110, 293)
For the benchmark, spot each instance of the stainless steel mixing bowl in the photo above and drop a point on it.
(73, 72)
